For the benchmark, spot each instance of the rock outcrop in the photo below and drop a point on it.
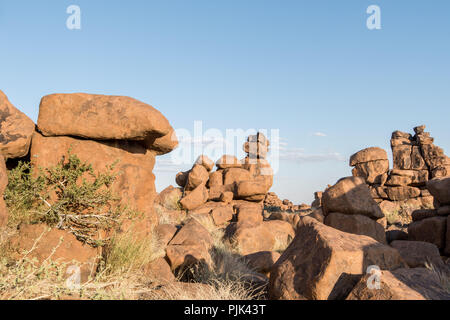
(323, 263)
(16, 130)
(115, 130)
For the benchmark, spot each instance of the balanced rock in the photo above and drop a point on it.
(351, 196)
(323, 263)
(16, 130)
(196, 177)
(228, 161)
(100, 117)
(206, 162)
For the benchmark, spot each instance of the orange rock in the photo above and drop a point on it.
(228, 161)
(206, 162)
(196, 177)
(401, 284)
(136, 183)
(351, 196)
(432, 230)
(16, 130)
(418, 254)
(216, 178)
(262, 261)
(159, 271)
(222, 215)
(323, 263)
(356, 224)
(44, 243)
(100, 117)
(195, 198)
(234, 175)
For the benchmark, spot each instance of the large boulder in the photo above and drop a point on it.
(251, 190)
(367, 155)
(440, 189)
(418, 254)
(206, 162)
(195, 198)
(262, 261)
(3, 184)
(401, 284)
(370, 164)
(402, 193)
(16, 130)
(235, 175)
(196, 177)
(432, 230)
(249, 239)
(356, 224)
(324, 263)
(228, 161)
(169, 198)
(351, 196)
(100, 117)
(135, 184)
(48, 244)
(190, 247)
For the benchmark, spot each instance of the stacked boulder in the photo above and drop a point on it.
(103, 130)
(415, 160)
(349, 207)
(248, 180)
(233, 197)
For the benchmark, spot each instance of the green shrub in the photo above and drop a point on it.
(69, 196)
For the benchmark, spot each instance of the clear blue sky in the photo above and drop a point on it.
(304, 67)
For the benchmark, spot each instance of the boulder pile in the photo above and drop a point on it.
(415, 160)
(233, 195)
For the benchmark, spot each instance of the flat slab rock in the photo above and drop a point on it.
(402, 284)
(101, 117)
(323, 263)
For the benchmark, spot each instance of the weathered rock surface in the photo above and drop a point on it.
(100, 117)
(16, 130)
(195, 198)
(263, 261)
(135, 184)
(440, 189)
(402, 284)
(228, 161)
(189, 247)
(356, 224)
(351, 196)
(417, 253)
(56, 245)
(324, 263)
(432, 230)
